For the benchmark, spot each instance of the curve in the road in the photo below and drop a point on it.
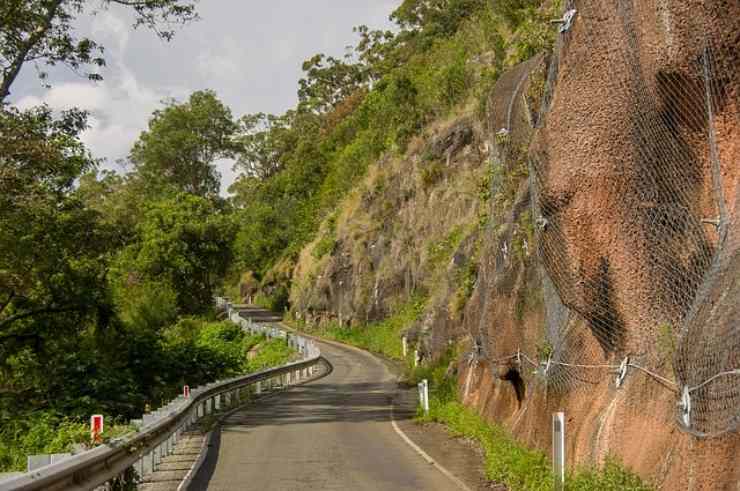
(331, 434)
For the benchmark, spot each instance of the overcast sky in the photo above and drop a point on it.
(248, 51)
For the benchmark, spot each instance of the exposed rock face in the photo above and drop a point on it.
(386, 233)
(614, 233)
(636, 155)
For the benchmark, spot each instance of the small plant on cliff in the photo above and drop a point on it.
(431, 173)
(439, 252)
(523, 238)
(545, 350)
(328, 240)
(467, 276)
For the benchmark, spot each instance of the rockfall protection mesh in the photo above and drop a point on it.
(635, 198)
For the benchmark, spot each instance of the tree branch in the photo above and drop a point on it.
(11, 73)
(42, 310)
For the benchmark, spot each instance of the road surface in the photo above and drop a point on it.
(331, 434)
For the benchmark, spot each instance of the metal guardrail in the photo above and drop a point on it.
(160, 432)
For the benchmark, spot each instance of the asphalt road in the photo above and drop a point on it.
(331, 434)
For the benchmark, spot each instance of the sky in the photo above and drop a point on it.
(249, 51)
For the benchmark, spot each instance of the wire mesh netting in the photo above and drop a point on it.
(633, 177)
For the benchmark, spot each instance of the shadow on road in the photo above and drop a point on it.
(320, 403)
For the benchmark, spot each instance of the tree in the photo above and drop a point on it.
(328, 82)
(40, 157)
(435, 18)
(53, 253)
(184, 242)
(263, 140)
(41, 31)
(116, 198)
(182, 144)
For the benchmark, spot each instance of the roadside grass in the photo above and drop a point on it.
(506, 460)
(383, 337)
(270, 353)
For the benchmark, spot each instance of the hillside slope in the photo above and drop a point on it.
(589, 219)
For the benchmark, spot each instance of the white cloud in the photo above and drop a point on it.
(108, 27)
(223, 62)
(119, 110)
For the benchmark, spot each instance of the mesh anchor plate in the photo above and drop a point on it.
(567, 21)
(685, 407)
(622, 372)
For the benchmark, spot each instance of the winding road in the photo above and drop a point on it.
(334, 433)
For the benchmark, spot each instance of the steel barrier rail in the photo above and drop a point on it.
(103, 463)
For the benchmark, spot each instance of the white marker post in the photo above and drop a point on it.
(424, 395)
(558, 450)
(404, 346)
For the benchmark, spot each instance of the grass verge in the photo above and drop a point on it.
(383, 337)
(506, 460)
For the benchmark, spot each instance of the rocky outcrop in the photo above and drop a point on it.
(611, 243)
(633, 184)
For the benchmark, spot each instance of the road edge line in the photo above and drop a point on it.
(425, 455)
(391, 406)
(188, 479)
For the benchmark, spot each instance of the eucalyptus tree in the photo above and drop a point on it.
(182, 144)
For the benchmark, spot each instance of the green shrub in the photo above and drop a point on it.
(45, 433)
(271, 353)
(440, 252)
(382, 337)
(431, 173)
(466, 278)
(151, 305)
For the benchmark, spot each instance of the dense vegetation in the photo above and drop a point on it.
(106, 281)
(298, 166)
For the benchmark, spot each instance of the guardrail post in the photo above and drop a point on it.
(258, 388)
(217, 402)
